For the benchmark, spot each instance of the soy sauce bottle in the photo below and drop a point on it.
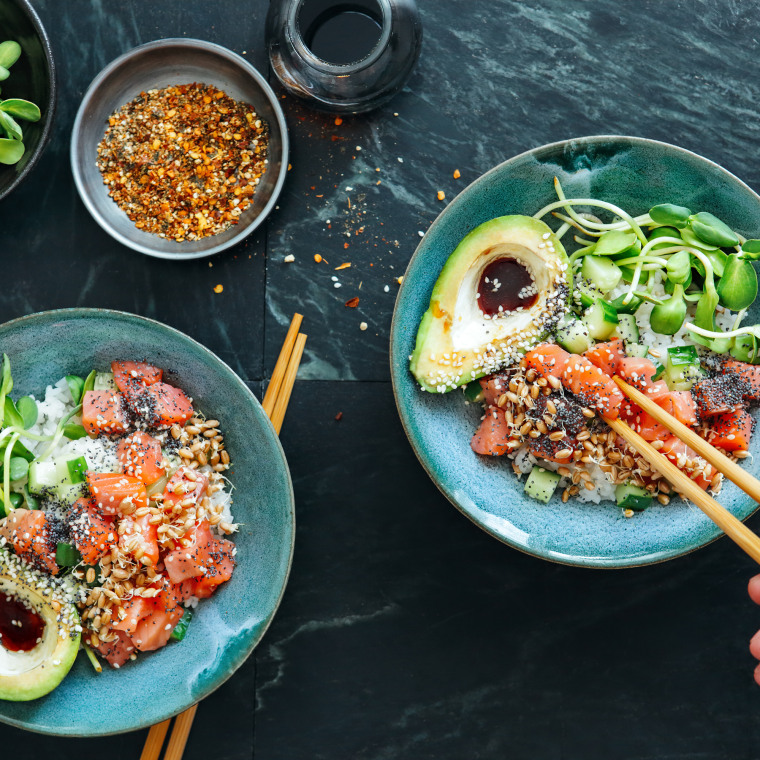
(345, 57)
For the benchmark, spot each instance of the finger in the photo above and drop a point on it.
(754, 589)
(754, 646)
(757, 675)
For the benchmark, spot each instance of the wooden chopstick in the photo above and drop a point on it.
(275, 405)
(736, 530)
(177, 741)
(278, 414)
(273, 389)
(155, 741)
(745, 481)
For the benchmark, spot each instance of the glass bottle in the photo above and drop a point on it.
(345, 57)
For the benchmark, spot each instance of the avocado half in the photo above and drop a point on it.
(26, 675)
(456, 341)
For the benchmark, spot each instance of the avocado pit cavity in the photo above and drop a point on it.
(21, 628)
(506, 285)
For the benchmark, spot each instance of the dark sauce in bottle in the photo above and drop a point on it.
(341, 33)
(505, 283)
(20, 627)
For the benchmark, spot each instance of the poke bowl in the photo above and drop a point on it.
(245, 545)
(610, 515)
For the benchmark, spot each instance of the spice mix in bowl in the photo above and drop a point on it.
(183, 162)
(179, 149)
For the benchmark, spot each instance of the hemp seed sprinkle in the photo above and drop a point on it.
(183, 162)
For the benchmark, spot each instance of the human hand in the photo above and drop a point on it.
(754, 644)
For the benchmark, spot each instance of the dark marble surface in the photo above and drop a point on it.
(405, 631)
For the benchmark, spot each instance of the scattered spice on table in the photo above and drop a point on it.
(218, 288)
(457, 174)
(352, 303)
(183, 162)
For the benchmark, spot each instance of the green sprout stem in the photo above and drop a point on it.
(7, 472)
(59, 432)
(568, 204)
(644, 260)
(600, 228)
(92, 658)
(709, 279)
(751, 330)
(739, 317)
(646, 296)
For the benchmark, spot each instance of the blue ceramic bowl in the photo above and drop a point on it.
(225, 629)
(636, 174)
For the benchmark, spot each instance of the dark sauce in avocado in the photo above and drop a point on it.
(504, 286)
(21, 628)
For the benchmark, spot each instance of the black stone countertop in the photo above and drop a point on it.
(406, 632)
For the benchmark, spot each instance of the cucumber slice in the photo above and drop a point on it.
(104, 382)
(42, 475)
(180, 630)
(601, 320)
(573, 335)
(52, 478)
(77, 469)
(627, 328)
(586, 293)
(541, 483)
(629, 496)
(637, 350)
(604, 273)
(682, 368)
(683, 379)
(682, 356)
(473, 392)
(67, 555)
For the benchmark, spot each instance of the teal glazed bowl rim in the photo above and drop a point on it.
(427, 418)
(231, 625)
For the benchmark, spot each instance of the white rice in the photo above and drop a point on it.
(604, 489)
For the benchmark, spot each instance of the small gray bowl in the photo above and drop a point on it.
(159, 64)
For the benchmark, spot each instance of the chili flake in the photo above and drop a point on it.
(183, 162)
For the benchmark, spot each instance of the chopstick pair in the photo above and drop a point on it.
(275, 405)
(736, 530)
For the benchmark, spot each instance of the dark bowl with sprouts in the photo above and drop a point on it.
(32, 78)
